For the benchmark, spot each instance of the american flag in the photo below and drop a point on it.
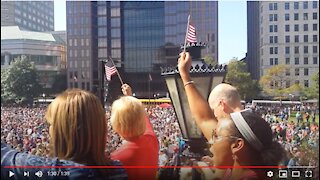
(110, 70)
(191, 34)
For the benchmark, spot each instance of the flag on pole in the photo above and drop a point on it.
(150, 77)
(191, 34)
(110, 70)
(75, 78)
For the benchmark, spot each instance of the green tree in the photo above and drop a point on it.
(312, 92)
(239, 77)
(274, 82)
(208, 59)
(19, 83)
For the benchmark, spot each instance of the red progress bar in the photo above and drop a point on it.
(152, 167)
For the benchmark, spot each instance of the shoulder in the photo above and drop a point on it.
(18, 163)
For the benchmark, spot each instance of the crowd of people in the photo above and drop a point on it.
(299, 135)
(77, 130)
(25, 129)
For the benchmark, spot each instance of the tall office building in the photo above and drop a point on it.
(139, 36)
(284, 32)
(28, 15)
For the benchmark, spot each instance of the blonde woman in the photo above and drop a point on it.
(140, 147)
(78, 137)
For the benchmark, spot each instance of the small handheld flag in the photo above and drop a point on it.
(190, 34)
(110, 70)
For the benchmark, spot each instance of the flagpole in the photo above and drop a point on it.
(185, 40)
(117, 70)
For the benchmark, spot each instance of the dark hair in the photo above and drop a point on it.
(272, 152)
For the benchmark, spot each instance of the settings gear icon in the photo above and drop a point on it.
(269, 174)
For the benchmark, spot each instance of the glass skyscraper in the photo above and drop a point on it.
(28, 15)
(139, 36)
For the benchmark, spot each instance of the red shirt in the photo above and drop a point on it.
(141, 151)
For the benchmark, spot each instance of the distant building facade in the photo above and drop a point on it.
(139, 36)
(48, 52)
(28, 15)
(284, 32)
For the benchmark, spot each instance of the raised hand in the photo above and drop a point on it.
(126, 90)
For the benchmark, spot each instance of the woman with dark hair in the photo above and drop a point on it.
(244, 139)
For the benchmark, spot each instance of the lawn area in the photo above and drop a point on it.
(293, 118)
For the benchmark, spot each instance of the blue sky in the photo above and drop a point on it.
(232, 27)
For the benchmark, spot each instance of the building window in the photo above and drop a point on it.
(315, 27)
(305, 27)
(271, 61)
(287, 39)
(315, 38)
(296, 72)
(305, 16)
(273, 17)
(315, 60)
(287, 28)
(306, 83)
(70, 75)
(273, 39)
(287, 84)
(297, 82)
(305, 49)
(102, 10)
(296, 5)
(305, 38)
(115, 12)
(296, 61)
(305, 5)
(296, 38)
(286, 6)
(314, 4)
(314, 16)
(115, 22)
(276, 62)
(306, 60)
(296, 49)
(271, 50)
(296, 16)
(287, 17)
(296, 27)
(287, 60)
(88, 86)
(273, 6)
(287, 50)
(287, 72)
(315, 49)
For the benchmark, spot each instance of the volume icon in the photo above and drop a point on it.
(39, 173)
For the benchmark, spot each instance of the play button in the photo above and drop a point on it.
(11, 174)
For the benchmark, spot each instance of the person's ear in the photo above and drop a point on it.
(237, 145)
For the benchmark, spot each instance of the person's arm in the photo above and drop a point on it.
(127, 91)
(199, 107)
